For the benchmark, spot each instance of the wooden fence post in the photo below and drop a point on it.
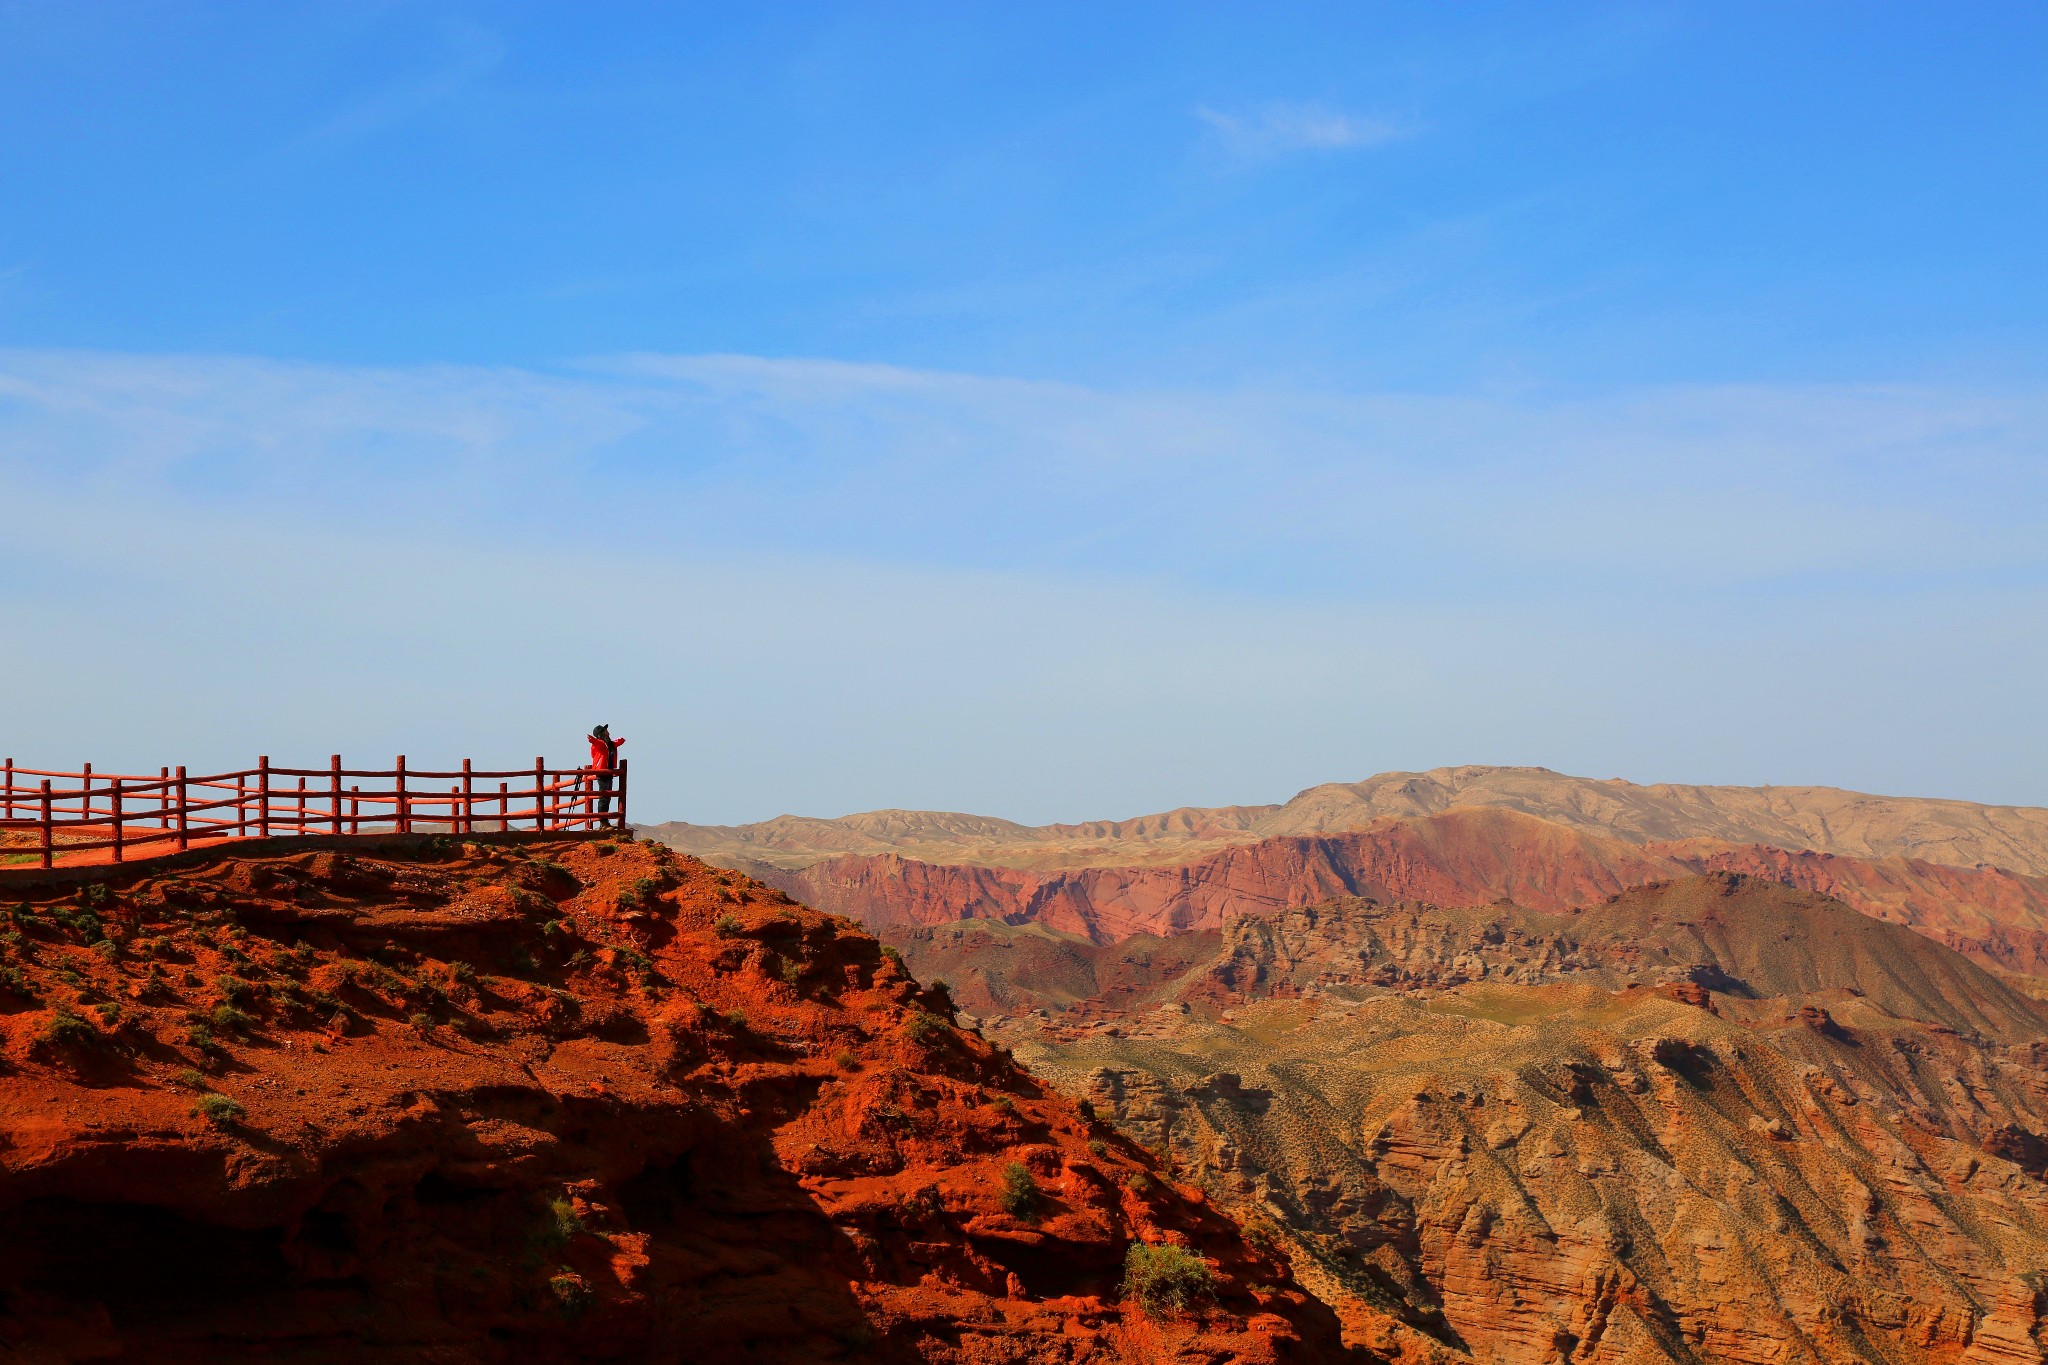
(163, 798)
(85, 796)
(114, 811)
(540, 793)
(263, 796)
(46, 823)
(334, 786)
(10, 791)
(404, 814)
(184, 810)
(504, 808)
(468, 825)
(622, 791)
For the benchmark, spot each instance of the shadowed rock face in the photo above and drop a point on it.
(551, 1101)
(1715, 1120)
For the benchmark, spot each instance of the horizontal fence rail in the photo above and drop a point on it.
(86, 816)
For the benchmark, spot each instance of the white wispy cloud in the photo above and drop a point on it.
(1277, 129)
(839, 585)
(472, 53)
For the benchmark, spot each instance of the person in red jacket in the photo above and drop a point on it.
(604, 761)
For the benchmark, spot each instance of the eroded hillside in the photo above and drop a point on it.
(554, 1100)
(1715, 1120)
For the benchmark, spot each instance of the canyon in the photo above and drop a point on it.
(1520, 1067)
(1716, 1119)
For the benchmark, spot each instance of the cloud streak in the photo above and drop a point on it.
(893, 586)
(1280, 129)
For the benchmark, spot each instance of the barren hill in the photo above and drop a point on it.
(1821, 819)
(1713, 1120)
(550, 1100)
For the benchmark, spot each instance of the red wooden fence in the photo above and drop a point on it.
(93, 817)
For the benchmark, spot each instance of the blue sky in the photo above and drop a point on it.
(1057, 411)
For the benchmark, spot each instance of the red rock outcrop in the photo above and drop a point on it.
(548, 1101)
(1460, 857)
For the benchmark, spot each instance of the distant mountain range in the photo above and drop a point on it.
(1973, 877)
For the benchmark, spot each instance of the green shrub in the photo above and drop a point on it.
(109, 1013)
(201, 1037)
(1021, 1197)
(1164, 1280)
(845, 1060)
(193, 1080)
(572, 1295)
(727, 926)
(1097, 1147)
(228, 1019)
(67, 1030)
(218, 1110)
(558, 1225)
(791, 971)
(922, 1026)
(422, 1024)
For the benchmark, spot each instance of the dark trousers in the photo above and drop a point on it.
(604, 784)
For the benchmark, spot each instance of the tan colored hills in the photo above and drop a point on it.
(1821, 819)
(1715, 1120)
(1451, 837)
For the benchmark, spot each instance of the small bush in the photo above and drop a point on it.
(922, 1026)
(218, 1110)
(1164, 1280)
(93, 897)
(228, 1019)
(107, 949)
(462, 972)
(727, 926)
(109, 1013)
(1021, 1197)
(1097, 1147)
(201, 1037)
(558, 1227)
(193, 1080)
(233, 989)
(422, 1024)
(791, 971)
(845, 1060)
(572, 1295)
(67, 1030)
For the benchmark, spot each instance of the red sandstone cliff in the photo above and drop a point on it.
(1460, 857)
(551, 1101)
